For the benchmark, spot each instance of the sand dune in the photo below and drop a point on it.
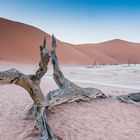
(106, 120)
(97, 56)
(20, 43)
(119, 51)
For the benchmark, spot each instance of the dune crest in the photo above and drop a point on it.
(19, 43)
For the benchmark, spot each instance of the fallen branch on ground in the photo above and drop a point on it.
(31, 83)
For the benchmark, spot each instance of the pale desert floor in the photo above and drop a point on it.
(104, 119)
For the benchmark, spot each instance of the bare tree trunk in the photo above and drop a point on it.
(32, 84)
(68, 91)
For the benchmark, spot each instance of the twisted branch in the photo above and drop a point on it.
(32, 84)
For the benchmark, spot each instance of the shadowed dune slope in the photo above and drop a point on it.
(20, 43)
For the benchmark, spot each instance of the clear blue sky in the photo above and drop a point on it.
(78, 21)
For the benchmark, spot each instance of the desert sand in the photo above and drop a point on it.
(105, 119)
(20, 43)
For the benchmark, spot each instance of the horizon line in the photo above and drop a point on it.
(85, 43)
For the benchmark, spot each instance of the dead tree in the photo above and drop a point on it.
(68, 91)
(31, 83)
(129, 62)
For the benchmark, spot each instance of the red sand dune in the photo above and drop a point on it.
(113, 51)
(20, 43)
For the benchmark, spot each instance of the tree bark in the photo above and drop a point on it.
(32, 84)
(68, 91)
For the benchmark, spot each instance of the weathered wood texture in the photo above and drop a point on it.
(68, 91)
(32, 84)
